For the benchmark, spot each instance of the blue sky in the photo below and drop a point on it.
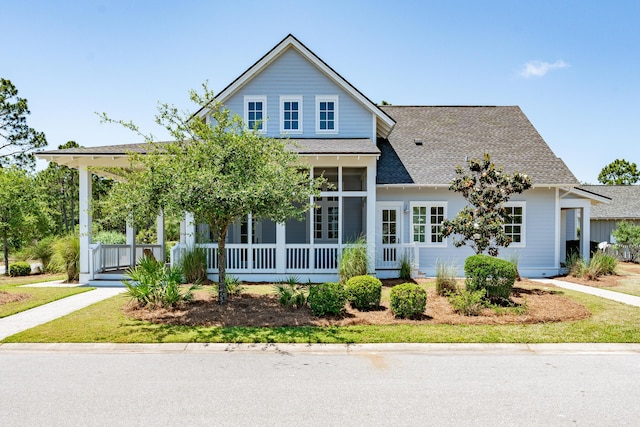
(572, 66)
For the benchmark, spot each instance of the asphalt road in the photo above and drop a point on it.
(276, 387)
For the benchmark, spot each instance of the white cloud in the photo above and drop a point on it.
(540, 68)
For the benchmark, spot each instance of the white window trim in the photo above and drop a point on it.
(327, 98)
(428, 224)
(254, 98)
(523, 233)
(291, 98)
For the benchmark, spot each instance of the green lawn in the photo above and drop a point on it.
(105, 322)
(37, 296)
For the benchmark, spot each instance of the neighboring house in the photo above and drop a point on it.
(624, 206)
(391, 167)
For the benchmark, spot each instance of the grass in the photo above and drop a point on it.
(105, 322)
(37, 296)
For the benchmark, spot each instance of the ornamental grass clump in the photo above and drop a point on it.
(194, 265)
(354, 260)
(327, 298)
(446, 278)
(66, 256)
(364, 292)
(408, 301)
(496, 276)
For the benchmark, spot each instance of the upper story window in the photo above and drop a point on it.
(291, 114)
(514, 226)
(426, 222)
(255, 112)
(327, 114)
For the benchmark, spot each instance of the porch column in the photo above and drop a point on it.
(85, 223)
(371, 216)
(189, 230)
(585, 232)
(161, 237)
(281, 250)
(131, 242)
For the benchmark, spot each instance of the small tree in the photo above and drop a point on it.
(486, 189)
(619, 172)
(219, 170)
(17, 139)
(628, 234)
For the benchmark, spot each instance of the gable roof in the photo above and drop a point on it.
(625, 201)
(384, 123)
(451, 135)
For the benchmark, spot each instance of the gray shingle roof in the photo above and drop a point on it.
(451, 134)
(625, 201)
(301, 146)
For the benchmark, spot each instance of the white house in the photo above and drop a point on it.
(391, 167)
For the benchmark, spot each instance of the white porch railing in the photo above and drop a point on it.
(389, 257)
(118, 257)
(242, 257)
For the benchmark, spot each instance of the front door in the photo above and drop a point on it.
(388, 232)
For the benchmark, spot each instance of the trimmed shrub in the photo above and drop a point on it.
(363, 292)
(495, 275)
(354, 260)
(408, 300)
(446, 278)
(19, 268)
(327, 298)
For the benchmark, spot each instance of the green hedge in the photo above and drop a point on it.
(408, 300)
(327, 298)
(496, 276)
(19, 269)
(364, 292)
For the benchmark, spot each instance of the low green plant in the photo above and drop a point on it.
(327, 298)
(43, 251)
(354, 260)
(364, 292)
(291, 293)
(446, 278)
(468, 302)
(408, 301)
(19, 268)
(495, 275)
(66, 256)
(154, 285)
(405, 267)
(601, 264)
(234, 286)
(110, 238)
(194, 265)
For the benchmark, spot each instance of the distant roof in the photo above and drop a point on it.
(450, 135)
(625, 201)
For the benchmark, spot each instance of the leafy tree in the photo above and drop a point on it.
(628, 234)
(619, 172)
(486, 189)
(219, 170)
(20, 211)
(17, 139)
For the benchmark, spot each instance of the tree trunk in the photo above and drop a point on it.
(5, 242)
(222, 267)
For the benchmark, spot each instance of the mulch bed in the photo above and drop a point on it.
(542, 305)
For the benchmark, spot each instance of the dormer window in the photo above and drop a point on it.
(327, 114)
(255, 112)
(291, 114)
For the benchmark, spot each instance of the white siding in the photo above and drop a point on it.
(292, 74)
(537, 255)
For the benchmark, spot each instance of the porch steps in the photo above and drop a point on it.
(109, 276)
(105, 283)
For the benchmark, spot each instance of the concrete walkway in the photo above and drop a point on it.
(22, 321)
(602, 293)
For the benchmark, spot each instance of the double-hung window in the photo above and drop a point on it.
(291, 114)
(255, 113)
(426, 222)
(514, 226)
(327, 114)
